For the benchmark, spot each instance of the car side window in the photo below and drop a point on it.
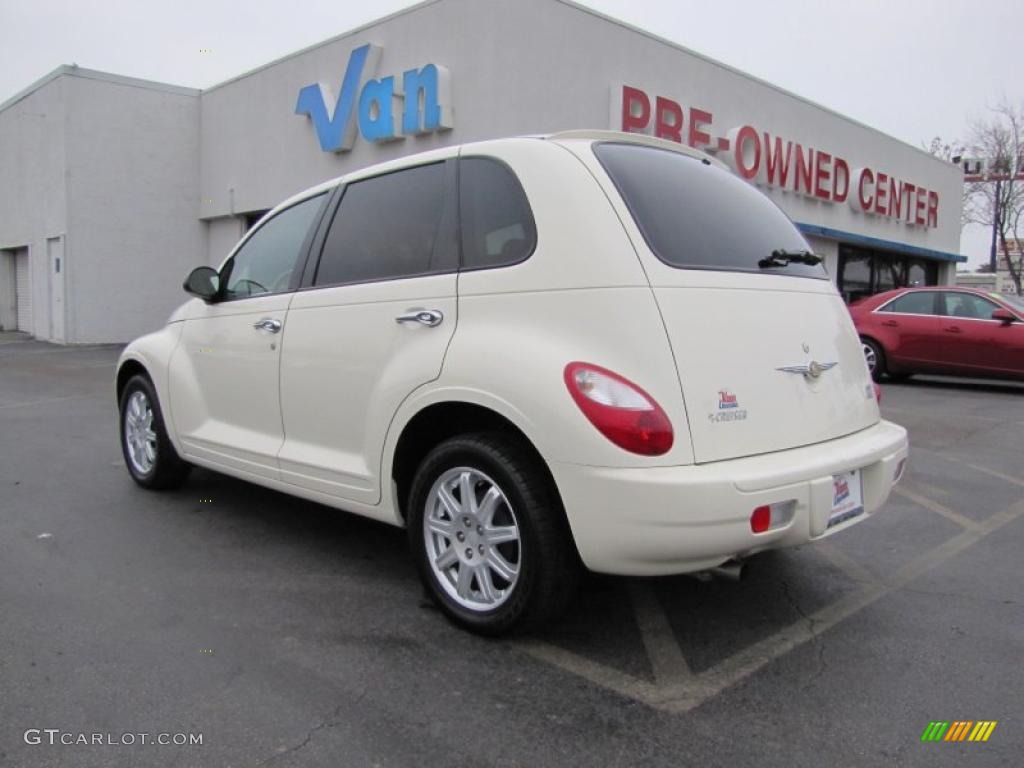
(497, 224)
(266, 262)
(969, 306)
(914, 303)
(389, 227)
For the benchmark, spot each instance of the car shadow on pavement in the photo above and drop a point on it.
(708, 620)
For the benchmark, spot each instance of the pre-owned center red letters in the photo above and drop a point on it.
(774, 161)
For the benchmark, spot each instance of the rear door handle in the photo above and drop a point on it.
(428, 317)
(267, 324)
(953, 329)
(891, 323)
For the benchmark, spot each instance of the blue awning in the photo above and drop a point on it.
(877, 242)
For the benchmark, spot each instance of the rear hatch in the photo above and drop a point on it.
(767, 355)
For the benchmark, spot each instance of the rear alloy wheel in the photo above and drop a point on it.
(472, 539)
(874, 357)
(148, 452)
(489, 536)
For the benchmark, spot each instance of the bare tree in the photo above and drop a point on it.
(996, 200)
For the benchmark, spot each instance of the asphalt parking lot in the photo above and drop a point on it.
(289, 634)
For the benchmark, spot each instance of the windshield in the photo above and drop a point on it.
(696, 215)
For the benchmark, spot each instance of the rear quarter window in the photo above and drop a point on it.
(497, 224)
(695, 215)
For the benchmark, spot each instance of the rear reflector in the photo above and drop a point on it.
(769, 516)
(621, 411)
(878, 392)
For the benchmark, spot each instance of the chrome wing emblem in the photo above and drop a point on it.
(811, 370)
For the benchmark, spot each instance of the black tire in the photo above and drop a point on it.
(549, 567)
(167, 470)
(879, 370)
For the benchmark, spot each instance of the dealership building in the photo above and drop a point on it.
(112, 188)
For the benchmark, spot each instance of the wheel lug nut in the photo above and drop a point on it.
(469, 552)
(481, 548)
(460, 536)
(467, 522)
(480, 530)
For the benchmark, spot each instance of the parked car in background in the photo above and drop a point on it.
(508, 348)
(953, 331)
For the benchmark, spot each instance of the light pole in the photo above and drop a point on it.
(996, 214)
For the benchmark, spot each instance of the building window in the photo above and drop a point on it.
(863, 271)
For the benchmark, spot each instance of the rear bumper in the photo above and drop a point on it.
(665, 520)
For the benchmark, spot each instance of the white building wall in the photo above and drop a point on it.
(33, 193)
(134, 229)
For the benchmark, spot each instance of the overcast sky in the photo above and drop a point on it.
(912, 68)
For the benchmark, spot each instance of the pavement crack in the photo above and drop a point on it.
(330, 721)
(812, 628)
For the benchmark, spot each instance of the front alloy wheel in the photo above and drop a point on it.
(139, 435)
(148, 452)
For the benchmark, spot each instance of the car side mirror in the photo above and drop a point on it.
(203, 282)
(1004, 316)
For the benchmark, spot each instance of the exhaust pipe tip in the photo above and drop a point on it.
(732, 570)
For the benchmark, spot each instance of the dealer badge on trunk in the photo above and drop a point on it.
(728, 408)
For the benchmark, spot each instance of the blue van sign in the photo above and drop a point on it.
(421, 100)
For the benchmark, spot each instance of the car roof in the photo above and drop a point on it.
(877, 299)
(434, 155)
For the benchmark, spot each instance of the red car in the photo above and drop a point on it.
(942, 329)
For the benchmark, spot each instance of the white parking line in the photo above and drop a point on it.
(667, 661)
(969, 465)
(684, 694)
(939, 509)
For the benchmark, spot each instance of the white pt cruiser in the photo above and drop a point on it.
(535, 352)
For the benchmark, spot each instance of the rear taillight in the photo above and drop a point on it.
(620, 410)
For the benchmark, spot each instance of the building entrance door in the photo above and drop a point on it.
(23, 289)
(56, 269)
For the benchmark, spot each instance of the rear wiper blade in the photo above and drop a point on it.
(782, 258)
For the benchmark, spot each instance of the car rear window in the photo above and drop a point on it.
(696, 215)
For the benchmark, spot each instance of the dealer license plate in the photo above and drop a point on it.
(847, 497)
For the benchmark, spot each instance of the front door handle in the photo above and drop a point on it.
(953, 329)
(428, 317)
(267, 324)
